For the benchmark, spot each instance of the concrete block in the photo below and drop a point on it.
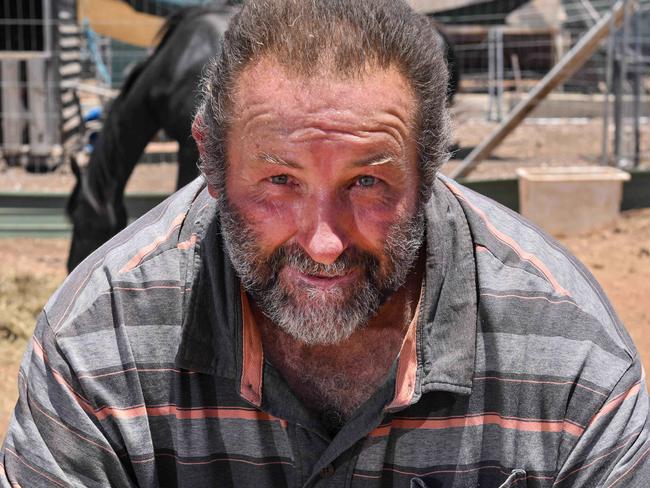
(570, 201)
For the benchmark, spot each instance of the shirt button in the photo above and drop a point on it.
(327, 471)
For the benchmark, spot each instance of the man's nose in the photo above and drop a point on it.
(323, 238)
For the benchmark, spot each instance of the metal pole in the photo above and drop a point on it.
(608, 89)
(491, 75)
(592, 13)
(516, 73)
(499, 52)
(619, 82)
(48, 25)
(638, 65)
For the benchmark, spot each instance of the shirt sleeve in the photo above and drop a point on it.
(55, 438)
(614, 450)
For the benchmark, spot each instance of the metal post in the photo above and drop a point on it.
(491, 74)
(620, 87)
(608, 89)
(592, 14)
(638, 66)
(516, 73)
(48, 25)
(13, 116)
(499, 62)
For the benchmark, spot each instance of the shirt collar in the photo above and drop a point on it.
(438, 351)
(447, 327)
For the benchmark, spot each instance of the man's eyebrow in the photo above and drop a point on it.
(272, 159)
(380, 159)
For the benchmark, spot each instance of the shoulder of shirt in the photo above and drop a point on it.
(157, 250)
(524, 272)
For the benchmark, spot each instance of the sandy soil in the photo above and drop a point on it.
(45, 260)
(619, 258)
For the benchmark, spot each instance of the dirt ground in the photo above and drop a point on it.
(619, 257)
(42, 261)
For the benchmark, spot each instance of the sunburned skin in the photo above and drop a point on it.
(330, 134)
(327, 165)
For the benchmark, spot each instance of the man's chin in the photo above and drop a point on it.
(317, 317)
(320, 333)
(316, 302)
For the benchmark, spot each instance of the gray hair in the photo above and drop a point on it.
(339, 37)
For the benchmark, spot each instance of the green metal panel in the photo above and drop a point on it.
(636, 191)
(505, 192)
(43, 214)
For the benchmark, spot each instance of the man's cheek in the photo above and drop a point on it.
(273, 223)
(372, 231)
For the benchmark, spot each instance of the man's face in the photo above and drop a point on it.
(320, 215)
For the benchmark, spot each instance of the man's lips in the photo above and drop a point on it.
(320, 281)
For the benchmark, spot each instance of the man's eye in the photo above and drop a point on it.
(367, 181)
(279, 179)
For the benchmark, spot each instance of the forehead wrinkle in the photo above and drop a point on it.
(326, 132)
(318, 113)
(327, 119)
(254, 116)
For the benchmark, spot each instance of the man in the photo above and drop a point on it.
(326, 311)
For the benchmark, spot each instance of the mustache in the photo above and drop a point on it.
(296, 257)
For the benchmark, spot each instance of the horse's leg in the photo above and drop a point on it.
(196, 42)
(96, 207)
(188, 157)
(129, 127)
(176, 116)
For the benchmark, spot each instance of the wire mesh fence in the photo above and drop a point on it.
(59, 59)
(39, 52)
(506, 49)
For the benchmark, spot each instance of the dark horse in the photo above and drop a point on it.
(160, 92)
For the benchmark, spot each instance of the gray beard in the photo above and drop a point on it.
(312, 315)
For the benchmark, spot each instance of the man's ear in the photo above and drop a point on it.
(198, 134)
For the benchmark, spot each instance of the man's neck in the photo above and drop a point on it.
(340, 377)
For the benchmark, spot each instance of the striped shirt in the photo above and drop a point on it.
(146, 369)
